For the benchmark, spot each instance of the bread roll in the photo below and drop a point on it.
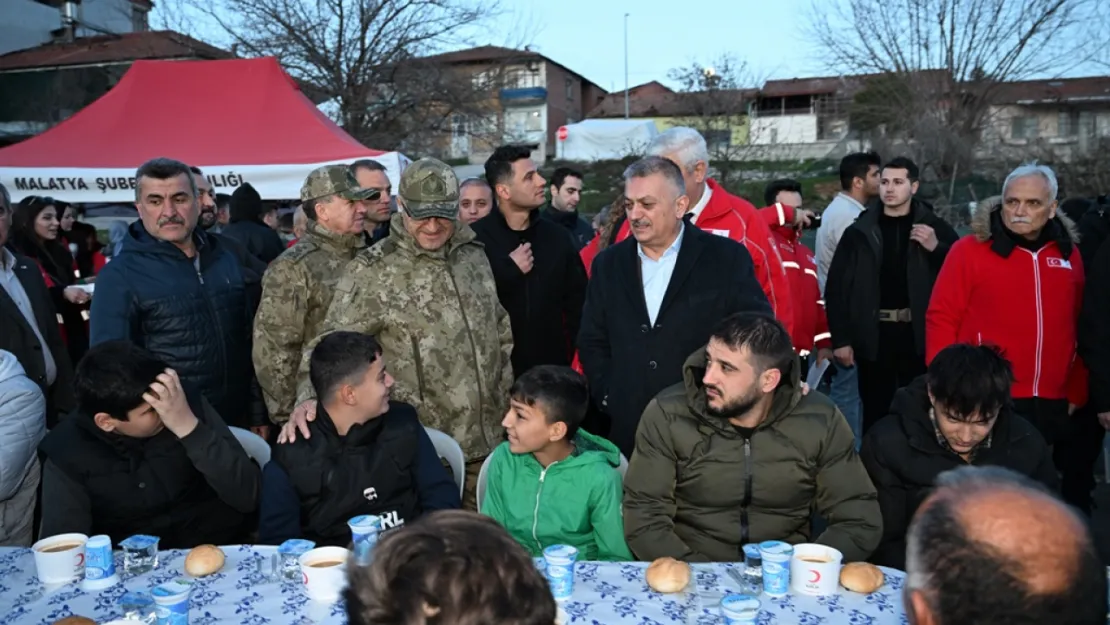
(75, 620)
(668, 575)
(861, 577)
(204, 560)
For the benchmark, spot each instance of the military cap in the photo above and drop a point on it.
(335, 180)
(429, 188)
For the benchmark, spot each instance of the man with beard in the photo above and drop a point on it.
(540, 278)
(737, 454)
(566, 191)
(253, 268)
(371, 176)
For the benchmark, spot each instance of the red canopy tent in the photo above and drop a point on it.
(240, 120)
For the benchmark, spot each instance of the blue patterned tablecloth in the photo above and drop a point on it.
(604, 594)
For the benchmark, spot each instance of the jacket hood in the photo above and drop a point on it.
(786, 396)
(9, 367)
(400, 235)
(590, 449)
(911, 406)
(984, 228)
(246, 205)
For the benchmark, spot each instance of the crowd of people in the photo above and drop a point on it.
(632, 387)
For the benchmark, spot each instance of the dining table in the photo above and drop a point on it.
(248, 591)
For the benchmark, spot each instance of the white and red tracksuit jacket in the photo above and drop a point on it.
(992, 291)
(734, 217)
(811, 326)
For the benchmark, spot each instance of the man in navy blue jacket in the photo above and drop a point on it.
(180, 293)
(364, 454)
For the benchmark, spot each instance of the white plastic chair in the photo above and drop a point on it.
(449, 449)
(256, 447)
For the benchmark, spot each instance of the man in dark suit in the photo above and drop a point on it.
(30, 326)
(653, 298)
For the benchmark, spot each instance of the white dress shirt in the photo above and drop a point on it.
(700, 206)
(840, 214)
(656, 274)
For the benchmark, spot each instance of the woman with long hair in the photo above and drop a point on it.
(80, 239)
(36, 234)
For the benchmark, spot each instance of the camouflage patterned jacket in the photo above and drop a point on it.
(296, 292)
(447, 340)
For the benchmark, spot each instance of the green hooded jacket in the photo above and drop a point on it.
(574, 502)
(696, 490)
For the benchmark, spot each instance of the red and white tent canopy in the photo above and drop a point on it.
(240, 120)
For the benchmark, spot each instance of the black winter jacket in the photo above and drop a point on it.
(852, 289)
(579, 228)
(544, 305)
(190, 491)
(1093, 332)
(626, 358)
(196, 316)
(903, 457)
(246, 225)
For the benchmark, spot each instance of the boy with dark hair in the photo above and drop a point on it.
(552, 483)
(450, 567)
(143, 455)
(364, 453)
(958, 413)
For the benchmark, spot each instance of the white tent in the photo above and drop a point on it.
(604, 139)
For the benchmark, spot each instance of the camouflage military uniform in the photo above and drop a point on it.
(296, 292)
(446, 339)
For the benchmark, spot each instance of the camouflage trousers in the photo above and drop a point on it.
(470, 483)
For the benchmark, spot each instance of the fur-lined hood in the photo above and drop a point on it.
(982, 228)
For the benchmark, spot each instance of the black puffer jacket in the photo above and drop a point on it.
(247, 226)
(579, 228)
(195, 316)
(903, 457)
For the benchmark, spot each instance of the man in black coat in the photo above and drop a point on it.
(252, 225)
(566, 191)
(654, 298)
(29, 324)
(959, 413)
(879, 284)
(541, 281)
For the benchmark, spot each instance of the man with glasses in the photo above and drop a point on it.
(30, 327)
(299, 284)
(371, 176)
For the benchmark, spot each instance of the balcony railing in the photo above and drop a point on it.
(525, 94)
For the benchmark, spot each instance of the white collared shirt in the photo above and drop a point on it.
(655, 275)
(702, 203)
(9, 281)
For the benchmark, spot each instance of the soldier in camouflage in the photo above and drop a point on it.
(298, 286)
(427, 293)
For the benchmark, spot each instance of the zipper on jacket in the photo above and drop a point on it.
(418, 361)
(747, 501)
(474, 353)
(1040, 318)
(215, 321)
(536, 509)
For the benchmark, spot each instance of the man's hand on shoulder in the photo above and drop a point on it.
(168, 399)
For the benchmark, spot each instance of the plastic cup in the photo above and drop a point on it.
(100, 567)
(60, 559)
(559, 561)
(740, 609)
(776, 567)
(324, 571)
(815, 570)
(171, 602)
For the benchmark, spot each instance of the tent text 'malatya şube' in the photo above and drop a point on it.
(239, 120)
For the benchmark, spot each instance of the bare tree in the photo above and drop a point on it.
(370, 57)
(935, 65)
(713, 99)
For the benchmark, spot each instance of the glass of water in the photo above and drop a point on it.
(140, 554)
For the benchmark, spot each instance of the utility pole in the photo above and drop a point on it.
(626, 65)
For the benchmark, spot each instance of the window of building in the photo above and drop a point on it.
(1024, 127)
(1068, 124)
(717, 140)
(140, 22)
(570, 89)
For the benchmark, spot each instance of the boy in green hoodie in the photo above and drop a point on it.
(551, 483)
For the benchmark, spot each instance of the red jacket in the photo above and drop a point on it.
(735, 218)
(811, 326)
(991, 291)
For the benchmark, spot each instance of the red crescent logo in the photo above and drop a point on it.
(816, 576)
(80, 560)
(305, 575)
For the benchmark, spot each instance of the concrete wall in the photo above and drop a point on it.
(788, 129)
(26, 24)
